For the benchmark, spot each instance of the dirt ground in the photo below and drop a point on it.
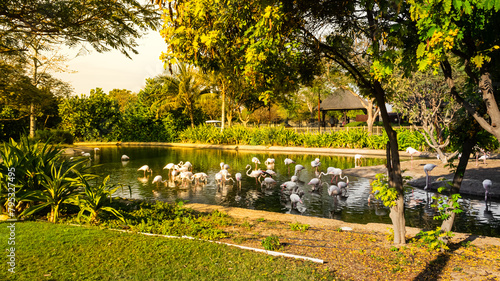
(364, 252)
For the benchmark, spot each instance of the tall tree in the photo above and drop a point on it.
(182, 89)
(424, 99)
(467, 29)
(36, 25)
(216, 36)
(277, 44)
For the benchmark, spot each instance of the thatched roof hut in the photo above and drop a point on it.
(342, 100)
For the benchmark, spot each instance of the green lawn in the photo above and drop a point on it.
(46, 251)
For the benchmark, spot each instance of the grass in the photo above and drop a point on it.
(46, 251)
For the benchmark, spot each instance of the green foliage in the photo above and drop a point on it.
(298, 226)
(171, 219)
(95, 198)
(281, 136)
(382, 191)
(54, 136)
(433, 239)
(92, 117)
(446, 204)
(271, 243)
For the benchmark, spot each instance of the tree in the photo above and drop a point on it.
(90, 117)
(182, 89)
(465, 29)
(37, 25)
(278, 44)
(216, 36)
(123, 97)
(424, 98)
(104, 24)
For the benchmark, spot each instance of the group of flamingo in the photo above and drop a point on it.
(177, 173)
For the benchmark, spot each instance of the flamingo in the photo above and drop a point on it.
(315, 164)
(315, 183)
(188, 165)
(218, 178)
(169, 167)
(158, 179)
(200, 177)
(295, 198)
(334, 190)
(186, 176)
(85, 154)
(427, 169)
(254, 174)
(145, 168)
(298, 168)
(294, 178)
(336, 173)
(256, 161)
(268, 182)
(238, 177)
(289, 186)
(483, 157)
(125, 157)
(289, 161)
(270, 163)
(329, 171)
(412, 151)
(486, 184)
(343, 186)
(356, 158)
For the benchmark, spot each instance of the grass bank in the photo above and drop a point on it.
(46, 251)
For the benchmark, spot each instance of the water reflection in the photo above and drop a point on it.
(353, 207)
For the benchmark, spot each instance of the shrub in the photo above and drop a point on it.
(54, 136)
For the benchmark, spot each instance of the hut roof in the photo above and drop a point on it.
(342, 99)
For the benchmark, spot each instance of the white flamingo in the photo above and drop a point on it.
(298, 168)
(158, 179)
(343, 186)
(238, 178)
(200, 177)
(486, 184)
(334, 190)
(412, 151)
(315, 183)
(270, 163)
(289, 161)
(427, 169)
(254, 174)
(268, 182)
(256, 161)
(125, 157)
(357, 158)
(315, 164)
(295, 198)
(169, 167)
(145, 169)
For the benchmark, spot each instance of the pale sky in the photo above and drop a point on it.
(113, 70)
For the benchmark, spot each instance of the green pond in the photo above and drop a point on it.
(354, 207)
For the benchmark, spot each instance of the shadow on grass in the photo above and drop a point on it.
(435, 268)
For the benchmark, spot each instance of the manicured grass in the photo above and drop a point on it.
(46, 251)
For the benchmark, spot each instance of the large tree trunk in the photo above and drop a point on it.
(397, 214)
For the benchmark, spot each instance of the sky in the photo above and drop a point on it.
(113, 70)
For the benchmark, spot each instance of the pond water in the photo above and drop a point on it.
(476, 218)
